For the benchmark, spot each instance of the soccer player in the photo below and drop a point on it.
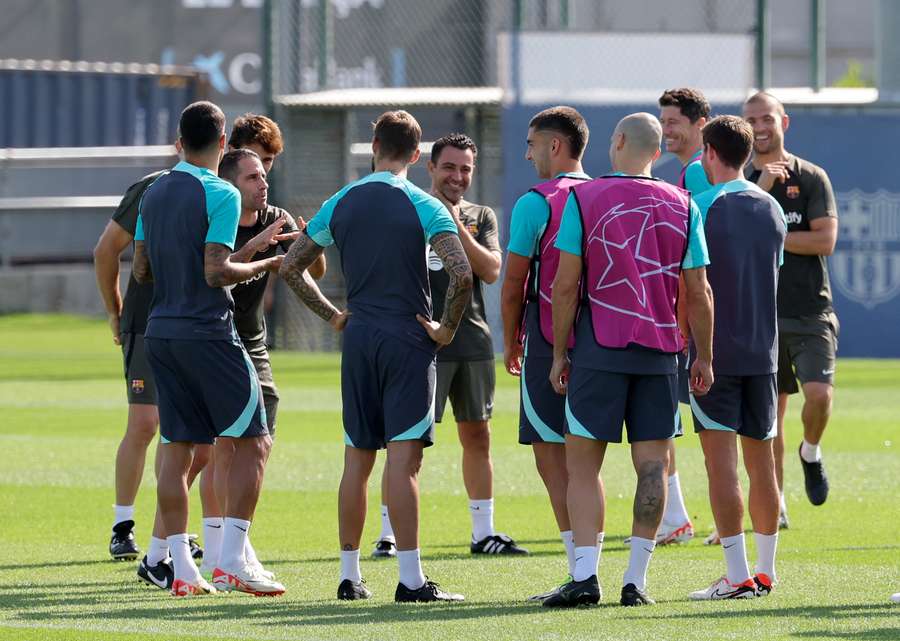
(127, 321)
(207, 385)
(381, 224)
(465, 367)
(629, 237)
(745, 231)
(255, 142)
(807, 325)
(556, 141)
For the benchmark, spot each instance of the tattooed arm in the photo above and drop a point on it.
(140, 264)
(450, 250)
(303, 253)
(221, 269)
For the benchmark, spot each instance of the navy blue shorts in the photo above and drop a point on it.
(599, 402)
(387, 387)
(746, 405)
(205, 389)
(542, 412)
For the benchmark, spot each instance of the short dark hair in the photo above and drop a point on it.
(457, 141)
(398, 134)
(228, 167)
(566, 121)
(731, 137)
(256, 129)
(765, 96)
(692, 103)
(201, 125)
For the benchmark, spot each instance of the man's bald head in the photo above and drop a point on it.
(635, 141)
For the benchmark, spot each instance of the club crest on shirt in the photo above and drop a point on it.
(793, 191)
(864, 265)
(137, 385)
(472, 228)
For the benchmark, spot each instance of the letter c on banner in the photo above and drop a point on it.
(236, 73)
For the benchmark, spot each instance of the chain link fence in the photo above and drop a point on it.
(335, 65)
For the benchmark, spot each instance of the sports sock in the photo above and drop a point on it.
(585, 562)
(387, 530)
(736, 558)
(782, 505)
(568, 540)
(600, 537)
(638, 562)
(122, 513)
(250, 554)
(411, 569)
(675, 514)
(809, 452)
(233, 542)
(185, 568)
(482, 512)
(350, 565)
(766, 544)
(158, 551)
(212, 540)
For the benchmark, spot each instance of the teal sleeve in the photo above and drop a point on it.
(784, 220)
(434, 216)
(695, 180)
(697, 254)
(527, 223)
(139, 228)
(570, 234)
(223, 209)
(319, 228)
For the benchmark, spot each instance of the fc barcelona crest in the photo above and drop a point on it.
(137, 385)
(865, 264)
(793, 191)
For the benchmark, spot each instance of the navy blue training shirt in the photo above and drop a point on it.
(745, 229)
(182, 211)
(382, 225)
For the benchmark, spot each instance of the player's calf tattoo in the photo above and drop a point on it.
(649, 499)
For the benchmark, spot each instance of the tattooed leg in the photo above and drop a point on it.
(650, 460)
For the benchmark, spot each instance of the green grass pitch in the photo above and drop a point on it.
(63, 411)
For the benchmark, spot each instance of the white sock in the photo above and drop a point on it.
(482, 512)
(766, 544)
(122, 513)
(809, 452)
(586, 559)
(638, 562)
(250, 553)
(158, 551)
(736, 558)
(600, 537)
(568, 540)
(212, 540)
(782, 505)
(350, 566)
(233, 541)
(675, 514)
(387, 530)
(185, 568)
(411, 569)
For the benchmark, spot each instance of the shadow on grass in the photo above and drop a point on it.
(876, 634)
(61, 564)
(832, 612)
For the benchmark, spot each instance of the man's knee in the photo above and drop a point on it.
(818, 395)
(143, 422)
(405, 458)
(475, 438)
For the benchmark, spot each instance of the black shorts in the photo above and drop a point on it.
(259, 356)
(542, 412)
(206, 389)
(807, 349)
(745, 405)
(140, 386)
(470, 387)
(598, 402)
(387, 389)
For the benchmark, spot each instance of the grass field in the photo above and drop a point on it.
(63, 407)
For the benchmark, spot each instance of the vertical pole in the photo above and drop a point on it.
(887, 22)
(516, 53)
(818, 57)
(325, 44)
(564, 14)
(763, 60)
(267, 40)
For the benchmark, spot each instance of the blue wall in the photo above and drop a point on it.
(858, 148)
